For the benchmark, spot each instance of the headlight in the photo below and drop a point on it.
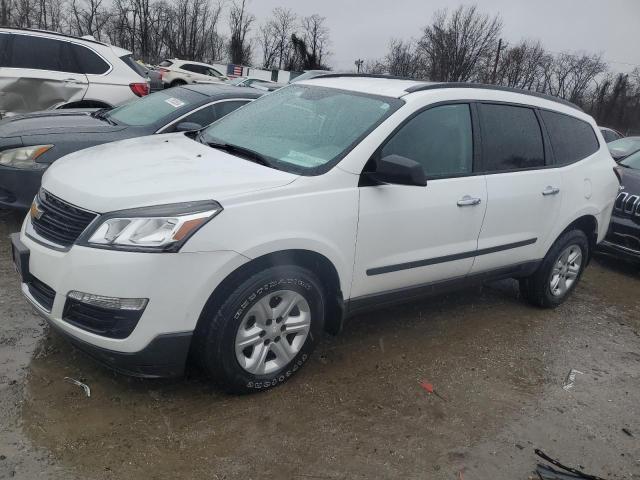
(24, 157)
(164, 228)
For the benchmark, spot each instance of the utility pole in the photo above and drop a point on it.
(495, 65)
(359, 64)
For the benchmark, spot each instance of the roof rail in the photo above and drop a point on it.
(483, 86)
(50, 32)
(429, 85)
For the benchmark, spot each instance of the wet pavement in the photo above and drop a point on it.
(357, 409)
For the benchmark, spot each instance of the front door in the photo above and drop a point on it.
(411, 235)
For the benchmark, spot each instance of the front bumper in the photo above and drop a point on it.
(177, 286)
(18, 187)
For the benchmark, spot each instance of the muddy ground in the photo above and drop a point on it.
(357, 409)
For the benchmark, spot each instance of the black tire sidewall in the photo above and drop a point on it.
(220, 357)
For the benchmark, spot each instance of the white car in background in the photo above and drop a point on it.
(176, 72)
(41, 70)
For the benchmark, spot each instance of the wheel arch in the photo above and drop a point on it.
(315, 262)
(589, 225)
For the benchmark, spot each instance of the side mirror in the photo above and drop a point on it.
(400, 170)
(188, 126)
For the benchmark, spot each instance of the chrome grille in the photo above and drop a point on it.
(627, 204)
(58, 221)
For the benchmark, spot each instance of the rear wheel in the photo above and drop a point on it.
(177, 83)
(265, 330)
(559, 271)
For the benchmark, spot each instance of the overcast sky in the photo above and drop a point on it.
(362, 28)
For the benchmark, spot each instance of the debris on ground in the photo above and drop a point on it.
(627, 431)
(546, 472)
(428, 387)
(571, 378)
(73, 381)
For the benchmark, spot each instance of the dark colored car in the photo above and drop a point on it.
(624, 147)
(623, 237)
(30, 143)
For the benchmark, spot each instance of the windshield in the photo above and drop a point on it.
(302, 128)
(632, 161)
(624, 146)
(152, 108)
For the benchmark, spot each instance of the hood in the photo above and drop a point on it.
(55, 122)
(155, 170)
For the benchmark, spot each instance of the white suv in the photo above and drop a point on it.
(244, 243)
(176, 72)
(40, 70)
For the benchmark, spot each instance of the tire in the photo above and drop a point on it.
(271, 355)
(177, 83)
(538, 289)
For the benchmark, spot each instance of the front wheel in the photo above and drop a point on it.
(265, 331)
(559, 271)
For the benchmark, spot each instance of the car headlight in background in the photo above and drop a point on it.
(24, 157)
(163, 228)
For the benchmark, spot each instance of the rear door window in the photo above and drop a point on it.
(440, 139)
(571, 139)
(88, 61)
(42, 53)
(511, 138)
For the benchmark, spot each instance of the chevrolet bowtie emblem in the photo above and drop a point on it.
(35, 210)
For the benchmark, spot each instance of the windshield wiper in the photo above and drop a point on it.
(243, 152)
(102, 115)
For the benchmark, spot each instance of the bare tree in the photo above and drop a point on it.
(570, 76)
(404, 59)
(283, 25)
(268, 43)
(315, 36)
(522, 66)
(240, 23)
(457, 46)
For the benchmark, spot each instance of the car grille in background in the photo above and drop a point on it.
(59, 221)
(627, 205)
(41, 293)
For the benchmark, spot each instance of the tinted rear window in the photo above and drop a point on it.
(88, 61)
(42, 54)
(511, 138)
(571, 139)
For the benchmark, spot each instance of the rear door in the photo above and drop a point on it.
(38, 73)
(412, 235)
(524, 192)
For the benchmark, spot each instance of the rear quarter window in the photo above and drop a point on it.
(88, 61)
(572, 139)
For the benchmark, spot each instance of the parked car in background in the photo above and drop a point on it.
(30, 143)
(241, 245)
(623, 237)
(610, 134)
(40, 70)
(267, 86)
(624, 147)
(176, 72)
(247, 81)
(308, 74)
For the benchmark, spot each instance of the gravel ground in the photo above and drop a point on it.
(357, 409)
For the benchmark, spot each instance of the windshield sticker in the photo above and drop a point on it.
(174, 102)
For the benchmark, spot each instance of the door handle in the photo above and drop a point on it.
(468, 201)
(550, 191)
(72, 80)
